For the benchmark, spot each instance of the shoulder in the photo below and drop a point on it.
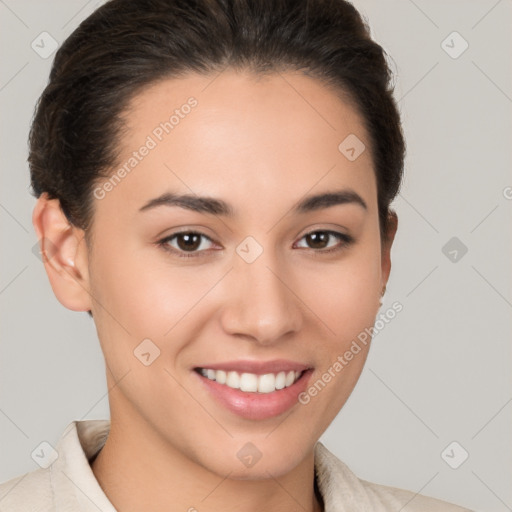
(30, 492)
(408, 501)
(66, 482)
(342, 490)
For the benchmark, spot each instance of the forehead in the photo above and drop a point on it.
(241, 134)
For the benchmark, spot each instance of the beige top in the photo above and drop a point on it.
(68, 484)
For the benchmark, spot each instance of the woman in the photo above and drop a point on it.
(214, 182)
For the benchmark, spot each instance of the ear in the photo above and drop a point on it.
(64, 254)
(386, 247)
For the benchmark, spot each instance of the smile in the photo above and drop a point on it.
(251, 382)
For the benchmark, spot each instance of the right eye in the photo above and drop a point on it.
(186, 242)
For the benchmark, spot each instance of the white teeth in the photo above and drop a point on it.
(233, 380)
(250, 382)
(267, 383)
(290, 377)
(280, 380)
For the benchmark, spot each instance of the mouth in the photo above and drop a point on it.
(255, 390)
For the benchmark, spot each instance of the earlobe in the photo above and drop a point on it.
(64, 254)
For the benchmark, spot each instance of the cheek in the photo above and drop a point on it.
(142, 296)
(127, 298)
(346, 300)
(345, 294)
(347, 305)
(136, 290)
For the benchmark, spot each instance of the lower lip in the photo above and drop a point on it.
(257, 406)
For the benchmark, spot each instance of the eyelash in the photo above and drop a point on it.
(346, 240)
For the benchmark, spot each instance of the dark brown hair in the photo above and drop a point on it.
(126, 45)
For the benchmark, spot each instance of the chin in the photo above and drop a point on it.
(252, 463)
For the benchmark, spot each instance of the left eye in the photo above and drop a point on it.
(192, 242)
(319, 238)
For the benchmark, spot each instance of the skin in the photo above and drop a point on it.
(260, 144)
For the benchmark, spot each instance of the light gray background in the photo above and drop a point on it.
(439, 372)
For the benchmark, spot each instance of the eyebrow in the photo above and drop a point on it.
(219, 207)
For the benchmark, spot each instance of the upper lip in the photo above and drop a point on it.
(257, 367)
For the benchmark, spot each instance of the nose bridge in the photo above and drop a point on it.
(261, 305)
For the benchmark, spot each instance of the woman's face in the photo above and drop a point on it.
(264, 286)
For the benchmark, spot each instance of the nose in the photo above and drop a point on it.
(261, 306)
